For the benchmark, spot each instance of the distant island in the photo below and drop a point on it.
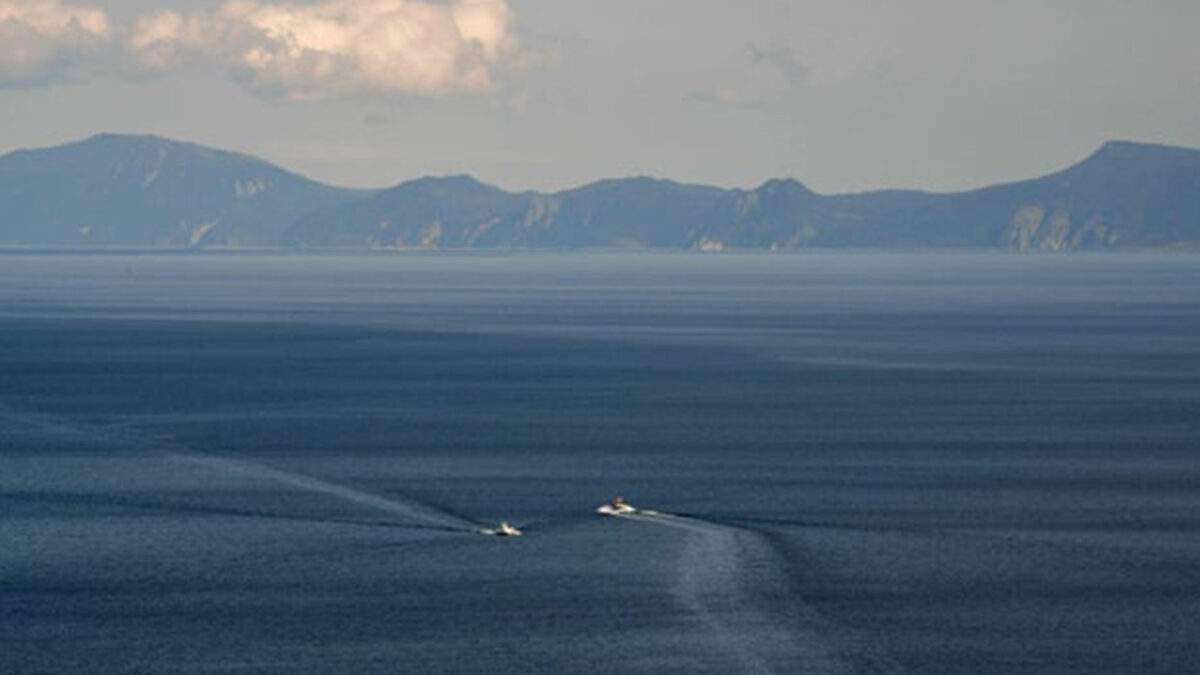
(143, 191)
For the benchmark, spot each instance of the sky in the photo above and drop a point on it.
(845, 95)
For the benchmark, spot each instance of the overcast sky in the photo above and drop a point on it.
(843, 95)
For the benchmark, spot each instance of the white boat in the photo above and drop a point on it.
(618, 507)
(505, 530)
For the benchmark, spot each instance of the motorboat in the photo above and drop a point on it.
(617, 507)
(504, 530)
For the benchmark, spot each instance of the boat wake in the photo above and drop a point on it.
(405, 509)
(130, 439)
(735, 585)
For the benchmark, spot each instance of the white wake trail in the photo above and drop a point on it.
(409, 510)
(733, 582)
(175, 452)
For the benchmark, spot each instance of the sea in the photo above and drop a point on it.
(858, 462)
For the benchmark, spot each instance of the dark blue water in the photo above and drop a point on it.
(864, 463)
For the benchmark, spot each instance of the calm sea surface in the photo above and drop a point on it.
(858, 463)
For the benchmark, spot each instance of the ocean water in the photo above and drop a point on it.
(854, 463)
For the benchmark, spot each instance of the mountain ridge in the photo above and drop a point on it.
(121, 190)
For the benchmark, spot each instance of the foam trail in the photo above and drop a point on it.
(733, 581)
(409, 510)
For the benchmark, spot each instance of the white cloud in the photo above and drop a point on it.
(162, 40)
(339, 47)
(44, 40)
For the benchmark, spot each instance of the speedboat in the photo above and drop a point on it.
(504, 530)
(617, 507)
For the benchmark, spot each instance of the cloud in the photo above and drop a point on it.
(165, 39)
(776, 70)
(782, 57)
(336, 48)
(283, 50)
(43, 41)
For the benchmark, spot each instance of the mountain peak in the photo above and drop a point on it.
(135, 143)
(784, 186)
(459, 180)
(110, 137)
(1132, 151)
(117, 190)
(458, 184)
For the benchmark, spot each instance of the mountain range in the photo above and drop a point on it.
(144, 191)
